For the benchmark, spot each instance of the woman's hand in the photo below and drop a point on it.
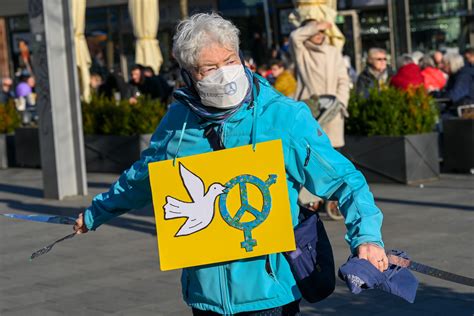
(324, 25)
(80, 226)
(374, 254)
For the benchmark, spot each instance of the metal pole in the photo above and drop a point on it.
(391, 26)
(59, 108)
(267, 24)
(408, 25)
(470, 25)
(357, 41)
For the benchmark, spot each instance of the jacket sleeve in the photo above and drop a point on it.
(343, 81)
(301, 34)
(131, 190)
(460, 88)
(328, 174)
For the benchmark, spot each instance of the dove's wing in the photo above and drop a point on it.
(191, 226)
(175, 208)
(192, 183)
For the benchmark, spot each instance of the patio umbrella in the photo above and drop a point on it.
(145, 18)
(83, 58)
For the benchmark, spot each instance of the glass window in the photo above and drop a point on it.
(437, 24)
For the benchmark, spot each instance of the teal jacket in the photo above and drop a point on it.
(267, 281)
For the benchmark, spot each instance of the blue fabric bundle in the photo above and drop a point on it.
(360, 274)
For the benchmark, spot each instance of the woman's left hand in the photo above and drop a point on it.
(374, 254)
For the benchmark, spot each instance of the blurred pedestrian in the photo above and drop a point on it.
(24, 58)
(469, 56)
(6, 94)
(438, 59)
(460, 86)
(266, 73)
(23, 89)
(285, 82)
(408, 74)
(250, 63)
(258, 48)
(95, 82)
(115, 87)
(152, 86)
(320, 70)
(285, 54)
(351, 72)
(25, 99)
(376, 73)
(433, 78)
(417, 56)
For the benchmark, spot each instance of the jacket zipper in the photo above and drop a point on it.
(224, 291)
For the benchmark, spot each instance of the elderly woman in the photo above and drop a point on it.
(207, 49)
(460, 86)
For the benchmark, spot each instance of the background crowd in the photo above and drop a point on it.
(448, 76)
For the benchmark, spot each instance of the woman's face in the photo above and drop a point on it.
(212, 58)
(318, 38)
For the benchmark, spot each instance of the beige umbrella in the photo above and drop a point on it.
(145, 18)
(83, 58)
(319, 10)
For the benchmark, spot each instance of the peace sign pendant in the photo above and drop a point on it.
(260, 215)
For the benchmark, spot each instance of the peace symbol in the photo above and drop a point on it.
(230, 88)
(260, 215)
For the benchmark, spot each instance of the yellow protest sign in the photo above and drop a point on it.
(220, 206)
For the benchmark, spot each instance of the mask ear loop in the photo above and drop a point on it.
(188, 81)
(180, 138)
(255, 120)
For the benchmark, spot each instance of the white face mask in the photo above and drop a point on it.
(225, 88)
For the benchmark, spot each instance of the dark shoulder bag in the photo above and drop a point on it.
(312, 263)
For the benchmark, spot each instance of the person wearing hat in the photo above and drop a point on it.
(206, 47)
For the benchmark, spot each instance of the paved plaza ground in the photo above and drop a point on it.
(115, 270)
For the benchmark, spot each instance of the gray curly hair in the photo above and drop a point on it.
(199, 31)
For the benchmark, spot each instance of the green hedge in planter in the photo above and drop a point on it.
(105, 116)
(9, 118)
(391, 112)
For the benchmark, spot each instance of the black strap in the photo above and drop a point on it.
(214, 140)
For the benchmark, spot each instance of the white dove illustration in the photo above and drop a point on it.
(200, 211)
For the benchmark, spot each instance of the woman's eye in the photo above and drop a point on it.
(231, 62)
(208, 70)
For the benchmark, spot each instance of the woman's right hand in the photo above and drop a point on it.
(324, 25)
(80, 226)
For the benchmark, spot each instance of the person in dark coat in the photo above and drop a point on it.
(375, 74)
(114, 83)
(153, 86)
(460, 86)
(408, 75)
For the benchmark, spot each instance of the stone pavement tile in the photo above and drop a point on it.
(165, 307)
(442, 306)
(104, 300)
(33, 312)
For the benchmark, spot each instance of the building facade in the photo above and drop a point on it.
(399, 26)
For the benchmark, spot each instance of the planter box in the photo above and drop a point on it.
(403, 159)
(110, 153)
(104, 153)
(7, 150)
(458, 145)
(27, 148)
